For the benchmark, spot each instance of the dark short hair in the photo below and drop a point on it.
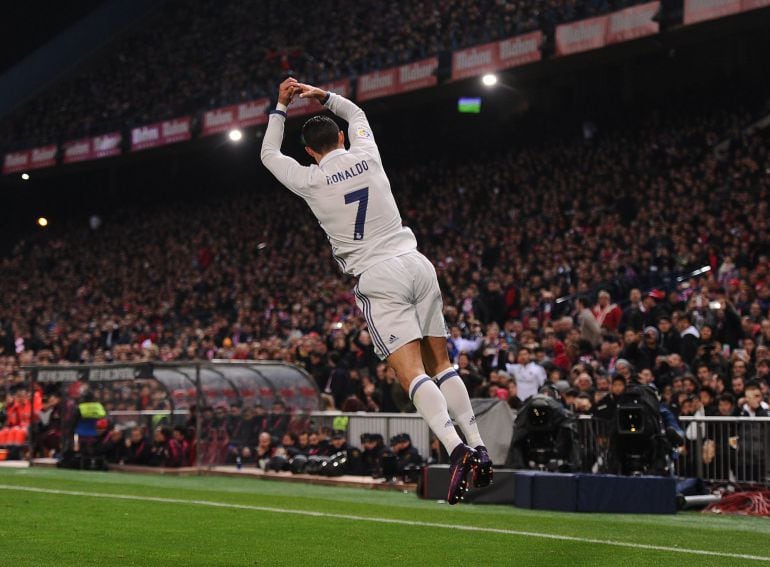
(585, 301)
(727, 397)
(320, 134)
(752, 385)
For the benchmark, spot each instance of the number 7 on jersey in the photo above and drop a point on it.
(362, 196)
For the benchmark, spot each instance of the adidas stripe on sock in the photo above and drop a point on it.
(459, 404)
(432, 406)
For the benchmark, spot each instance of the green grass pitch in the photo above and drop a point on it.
(50, 518)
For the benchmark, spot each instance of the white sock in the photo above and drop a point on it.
(459, 404)
(432, 406)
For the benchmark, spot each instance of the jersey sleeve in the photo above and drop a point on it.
(359, 132)
(287, 170)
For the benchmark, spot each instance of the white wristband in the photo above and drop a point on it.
(281, 106)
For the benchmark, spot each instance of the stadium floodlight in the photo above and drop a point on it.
(235, 135)
(489, 79)
(25, 176)
(42, 222)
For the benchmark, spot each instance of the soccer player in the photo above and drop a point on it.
(398, 292)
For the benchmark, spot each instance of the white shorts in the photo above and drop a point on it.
(401, 300)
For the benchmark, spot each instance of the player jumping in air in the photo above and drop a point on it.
(398, 292)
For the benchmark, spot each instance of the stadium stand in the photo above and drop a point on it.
(192, 56)
(192, 282)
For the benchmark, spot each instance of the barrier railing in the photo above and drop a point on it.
(725, 449)
(593, 436)
(716, 449)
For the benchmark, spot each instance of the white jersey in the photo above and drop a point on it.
(348, 192)
(529, 378)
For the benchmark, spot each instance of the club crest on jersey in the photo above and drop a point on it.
(363, 133)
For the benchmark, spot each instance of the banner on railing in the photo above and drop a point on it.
(106, 145)
(302, 106)
(15, 162)
(161, 134)
(76, 150)
(92, 148)
(43, 157)
(397, 80)
(700, 10)
(23, 160)
(593, 33)
(240, 115)
(584, 35)
(497, 55)
(107, 373)
(633, 23)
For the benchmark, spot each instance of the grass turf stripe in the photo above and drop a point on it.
(415, 523)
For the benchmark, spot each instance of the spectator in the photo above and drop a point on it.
(754, 406)
(689, 337)
(670, 341)
(590, 329)
(469, 374)
(529, 376)
(514, 401)
(634, 314)
(458, 345)
(606, 313)
(751, 449)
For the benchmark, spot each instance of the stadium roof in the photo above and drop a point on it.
(26, 26)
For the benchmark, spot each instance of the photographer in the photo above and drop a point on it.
(374, 450)
(352, 455)
(408, 458)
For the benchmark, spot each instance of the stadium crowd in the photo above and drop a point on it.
(543, 280)
(191, 56)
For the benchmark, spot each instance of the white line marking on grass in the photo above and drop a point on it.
(396, 521)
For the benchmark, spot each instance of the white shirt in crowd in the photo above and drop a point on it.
(529, 378)
(468, 346)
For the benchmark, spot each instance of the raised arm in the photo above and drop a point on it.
(286, 169)
(359, 132)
